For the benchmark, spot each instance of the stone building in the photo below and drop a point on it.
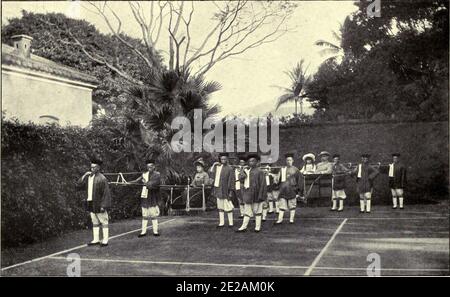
(41, 91)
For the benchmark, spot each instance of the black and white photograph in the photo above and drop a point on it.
(225, 139)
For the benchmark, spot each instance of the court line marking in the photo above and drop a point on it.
(328, 218)
(322, 252)
(239, 265)
(76, 248)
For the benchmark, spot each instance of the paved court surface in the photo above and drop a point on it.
(413, 241)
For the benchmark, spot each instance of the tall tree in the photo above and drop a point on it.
(296, 91)
(236, 27)
(332, 49)
(394, 66)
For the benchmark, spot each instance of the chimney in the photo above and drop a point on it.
(22, 45)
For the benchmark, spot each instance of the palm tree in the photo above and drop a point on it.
(163, 97)
(333, 49)
(295, 93)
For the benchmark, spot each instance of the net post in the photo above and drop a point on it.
(187, 198)
(203, 198)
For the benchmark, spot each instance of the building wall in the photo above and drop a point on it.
(27, 98)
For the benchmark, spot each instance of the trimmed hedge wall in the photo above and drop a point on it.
(40, 165)
(423, 145)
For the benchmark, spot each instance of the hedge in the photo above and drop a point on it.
(40, 165)
(423, 146)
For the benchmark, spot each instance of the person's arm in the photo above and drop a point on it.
(81, 182)
(137, 180)
(299, 177)
(329, 169)
(374, 172)
(106, 197)
(403, 176)
(262, 193)
(154, 182)
(231, 183)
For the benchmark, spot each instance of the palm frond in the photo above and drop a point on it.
(283, 99)
(324, 43)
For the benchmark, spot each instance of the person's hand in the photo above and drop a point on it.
(102, 209)
(87, 173)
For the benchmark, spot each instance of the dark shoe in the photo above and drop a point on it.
(401, 207)
(241, 231)
(263, 220)
(257, 231)
(93, 243)
(230, 226)
(291, 222)
(156, 234)
(270, 212)
(361, 211)
(241, 217)
(103, 244)
(394, 207)
(220, 226)
(339, 210)
(142, 235)
(331, 209)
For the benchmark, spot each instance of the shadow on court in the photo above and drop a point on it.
(413, 241)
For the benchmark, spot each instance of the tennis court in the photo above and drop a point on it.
(413, 241)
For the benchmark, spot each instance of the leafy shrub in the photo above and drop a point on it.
(40, 165)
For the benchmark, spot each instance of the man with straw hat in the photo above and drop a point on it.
(324, 166)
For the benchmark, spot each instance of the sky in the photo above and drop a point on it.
(247, 80)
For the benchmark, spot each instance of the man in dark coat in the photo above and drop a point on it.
(397, 180)
(365, 175)
(223, 186)
(291, 182)
(254, 192)
(338, 183)
(98, 201)
(150, 196)
(238, 185)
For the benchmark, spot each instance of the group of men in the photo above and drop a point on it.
(99, 199)
(259, 190)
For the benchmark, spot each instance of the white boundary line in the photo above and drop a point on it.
(75, 248)
(194, 219)
(322, 252)
(242, 265)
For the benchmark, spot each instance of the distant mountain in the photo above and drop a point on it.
(263, 109)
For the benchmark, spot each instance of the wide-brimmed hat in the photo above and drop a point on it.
(324, 153)
(309, 156)
(199, 163)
